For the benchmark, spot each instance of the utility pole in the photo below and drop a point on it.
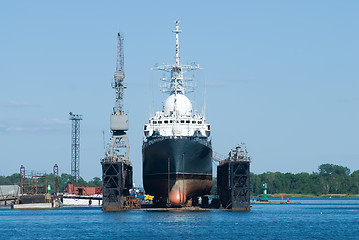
(75, 146)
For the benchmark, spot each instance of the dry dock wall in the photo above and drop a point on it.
(233, 185)
(116, 182)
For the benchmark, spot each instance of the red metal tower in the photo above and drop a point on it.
(56, 179)
(22, 179)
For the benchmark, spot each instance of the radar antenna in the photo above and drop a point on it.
(177, 85)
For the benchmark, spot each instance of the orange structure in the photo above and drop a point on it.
(83, 191)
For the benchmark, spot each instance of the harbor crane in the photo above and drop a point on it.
(116, 166)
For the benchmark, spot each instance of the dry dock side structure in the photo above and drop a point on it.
(233, 180)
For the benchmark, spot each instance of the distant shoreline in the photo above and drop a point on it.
(293, 195)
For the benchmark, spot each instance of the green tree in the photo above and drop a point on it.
(329, 169)
(81, 182)
(354, 183)
(334, 178)
(64, 180)
(95, 182)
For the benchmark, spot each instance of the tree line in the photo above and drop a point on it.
(330, 179)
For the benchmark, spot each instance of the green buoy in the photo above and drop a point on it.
(265, 198)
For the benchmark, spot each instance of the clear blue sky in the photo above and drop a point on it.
(282, 76)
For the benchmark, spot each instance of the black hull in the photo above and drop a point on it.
(183, 165)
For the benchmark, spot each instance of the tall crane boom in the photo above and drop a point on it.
(119, 76)
(119, 146)
(120, 58)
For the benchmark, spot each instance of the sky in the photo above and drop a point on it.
(281, 76)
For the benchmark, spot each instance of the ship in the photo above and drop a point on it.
(177, 150)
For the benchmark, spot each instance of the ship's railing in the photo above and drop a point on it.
(151, 140)
(114, 159)
(218, 157)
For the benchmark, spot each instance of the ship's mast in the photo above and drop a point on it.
(176, 84)
(177, 43)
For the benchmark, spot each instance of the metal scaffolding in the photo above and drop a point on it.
(32, 183)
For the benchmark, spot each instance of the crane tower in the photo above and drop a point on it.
(116, 167)
(119, 147)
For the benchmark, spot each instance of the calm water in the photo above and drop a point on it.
(313, 219)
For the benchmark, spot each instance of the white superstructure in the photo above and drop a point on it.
(177, 118)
